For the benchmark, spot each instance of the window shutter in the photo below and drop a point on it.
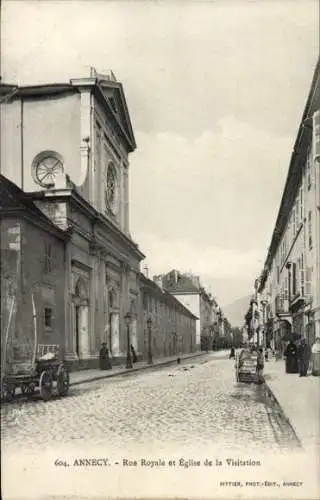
(302, 277)
(294, 279)
(308, 282)
(302, 287)
(286, 289)
(316, 135)
(310, 229)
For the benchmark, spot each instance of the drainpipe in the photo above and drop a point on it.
(22, 143)
(288, 266)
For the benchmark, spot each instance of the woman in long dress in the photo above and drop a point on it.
(291, 354)
(104, 359)
(315, 357)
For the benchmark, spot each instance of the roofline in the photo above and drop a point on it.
(30, 207)
(277, 235)
(40, 89)
(152, 285)
(50, 89)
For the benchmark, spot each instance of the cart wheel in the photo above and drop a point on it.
(63, 381)
(45, 385)
(28, 389)
(8, 391)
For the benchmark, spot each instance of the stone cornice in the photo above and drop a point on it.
(76, 200)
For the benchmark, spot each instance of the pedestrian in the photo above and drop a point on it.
(260, 364)
(304, 357)
(232, 353)
(278, 351)
(266, 354)
(134, 356)
(291, 355)
(104, 360)
(315, 357)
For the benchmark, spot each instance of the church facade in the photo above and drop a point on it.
(67, 147)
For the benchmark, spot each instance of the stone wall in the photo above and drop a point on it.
(173, 328)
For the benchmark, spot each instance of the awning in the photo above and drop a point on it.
(291, 337)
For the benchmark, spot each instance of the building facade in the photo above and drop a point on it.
(31, 277)
(289, 287)
(172, 327)
(67, 146)
(188, 290)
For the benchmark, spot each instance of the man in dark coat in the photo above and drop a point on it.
(104, 360)
(133, 354)
(304, 357)
(232, 353)
(291, 354)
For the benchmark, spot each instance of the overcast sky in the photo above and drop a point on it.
(215, 90)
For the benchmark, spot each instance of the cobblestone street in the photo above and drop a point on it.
(194, 404)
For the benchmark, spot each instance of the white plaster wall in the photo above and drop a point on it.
(192, 302)
(48, 124)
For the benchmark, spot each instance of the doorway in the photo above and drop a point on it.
(77, 332)
(81, 319)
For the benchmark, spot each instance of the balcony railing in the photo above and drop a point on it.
(300, 299)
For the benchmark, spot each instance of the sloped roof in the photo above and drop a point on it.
(165, 296)
(14, 202)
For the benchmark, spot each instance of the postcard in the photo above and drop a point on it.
(160, 249)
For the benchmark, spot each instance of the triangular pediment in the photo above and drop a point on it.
(114, 95)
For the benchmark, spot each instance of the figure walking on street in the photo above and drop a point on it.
(304, 358)
(232, 353)
(133, 353)
(291, 354)
(105, 363)
(260, 364)
(315, 357)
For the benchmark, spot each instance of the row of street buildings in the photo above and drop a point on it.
(286, 300)
(70, 270)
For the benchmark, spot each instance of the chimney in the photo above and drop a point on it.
(159, 281)
(146, 271)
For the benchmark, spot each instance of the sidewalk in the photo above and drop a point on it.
(84, 376)
(299, 398)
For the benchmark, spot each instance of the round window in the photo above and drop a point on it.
(46, 167)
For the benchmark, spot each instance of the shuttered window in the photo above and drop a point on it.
(294, 279)
(302, 284)
(310, 229)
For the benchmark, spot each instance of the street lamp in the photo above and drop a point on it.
(128, 321)
(149, 325)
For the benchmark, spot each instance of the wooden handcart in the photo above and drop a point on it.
(247, 367)
(47, 373)
(42, 370)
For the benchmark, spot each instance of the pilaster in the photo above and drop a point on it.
(115, 347)
(86, 149)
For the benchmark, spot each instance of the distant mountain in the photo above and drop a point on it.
(235, 311)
